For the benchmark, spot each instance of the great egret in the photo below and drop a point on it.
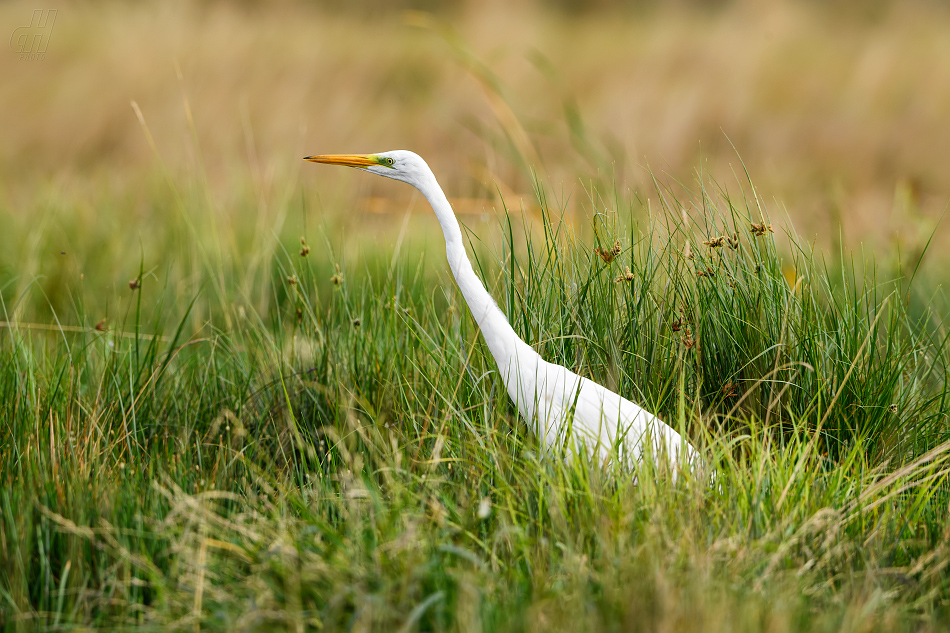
(562, 407)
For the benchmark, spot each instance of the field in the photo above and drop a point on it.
(242, 392)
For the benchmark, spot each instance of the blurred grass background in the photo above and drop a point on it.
(839, 109)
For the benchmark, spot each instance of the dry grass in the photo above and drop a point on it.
(839, 116)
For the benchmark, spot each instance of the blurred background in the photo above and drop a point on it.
(839, 110)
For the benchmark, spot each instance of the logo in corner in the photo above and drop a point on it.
(30, 42)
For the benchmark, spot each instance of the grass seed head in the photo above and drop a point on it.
(304, 248)
(135, 284)
(625, 276)
(688, 341)
(101, 326)
(761, 229)
(609, 256)
(337, 279)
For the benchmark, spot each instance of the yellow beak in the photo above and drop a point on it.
(349, 160)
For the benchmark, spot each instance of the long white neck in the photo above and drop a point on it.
(505, 345)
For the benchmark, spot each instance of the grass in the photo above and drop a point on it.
(208, 423)
(266, 440)
(836, 106)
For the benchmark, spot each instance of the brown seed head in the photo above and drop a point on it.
(626, 276)
(609, 256)
(688, 341)
(135, 284)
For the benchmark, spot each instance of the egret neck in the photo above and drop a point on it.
(505, 345)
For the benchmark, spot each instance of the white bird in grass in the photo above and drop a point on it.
(563, 408)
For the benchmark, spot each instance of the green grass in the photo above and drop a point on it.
(239, 452)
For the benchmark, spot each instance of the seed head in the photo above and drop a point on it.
(760, 229)
(292, 280)
(304, 248)
(626, 276)
(609, 256)
(715, 242)
(101, 326)
(688, 341)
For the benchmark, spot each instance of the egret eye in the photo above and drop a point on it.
(389, 161)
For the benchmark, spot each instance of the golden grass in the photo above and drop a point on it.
(839, 118)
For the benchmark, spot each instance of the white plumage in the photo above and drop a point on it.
(563, 408)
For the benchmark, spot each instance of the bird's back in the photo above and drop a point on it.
(567, 410)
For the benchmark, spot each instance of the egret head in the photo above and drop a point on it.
(397, 164)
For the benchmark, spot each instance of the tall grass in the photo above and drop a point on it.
(308, 441)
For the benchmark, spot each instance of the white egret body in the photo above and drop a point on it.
(563, 408)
